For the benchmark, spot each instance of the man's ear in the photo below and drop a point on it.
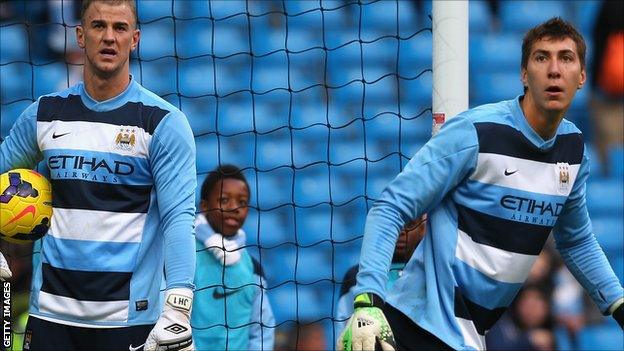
(80, 36)
(136, 37)
(583, 78)
(523, 77)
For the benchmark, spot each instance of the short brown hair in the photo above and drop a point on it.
(554, 28)
(130, 3)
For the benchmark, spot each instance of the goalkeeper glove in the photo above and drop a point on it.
(367, 327)
(5, 272)
(618, 312)
(172, 331)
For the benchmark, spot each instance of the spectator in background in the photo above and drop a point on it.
(409, 238)
(306, 337)
(230, 309)
(528, 325)
(607, 80)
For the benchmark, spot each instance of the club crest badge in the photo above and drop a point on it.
(125, 140)
(563, 177)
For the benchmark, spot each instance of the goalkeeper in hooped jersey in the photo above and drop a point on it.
(407, 241)
(230, 309)
(494, 182)
(116, 268)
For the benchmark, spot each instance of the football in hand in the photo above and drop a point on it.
(25, 206)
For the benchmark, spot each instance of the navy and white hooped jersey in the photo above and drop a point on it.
(493, 190)
(123, 181)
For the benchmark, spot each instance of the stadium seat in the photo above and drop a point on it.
(50, 78)
(292, 304)
(274, 188)
(12, 86)
(229, 40)
(150, 10)
(9, 114)
(606, 336)
(159, 76)
(616, 162)
(152, 46)
(14, 39)
(605, 197)
(494, 87)
(194, 37)
(585, 14)
(417, 89)
(269, 229)
(609, 232)
(415, 54)
(495, 53)
(520, 16)
(479, 17)
(204, 144)
(196, 78)
(312, 189)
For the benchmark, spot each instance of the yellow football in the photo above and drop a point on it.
(25, 206)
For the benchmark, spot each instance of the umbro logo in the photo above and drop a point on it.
(508, 173)
(54, 135)
(176, 328)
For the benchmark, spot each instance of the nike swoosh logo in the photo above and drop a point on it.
(29, 209)
(218, 295)
(507, 173)
(135, 348)
(54, 135)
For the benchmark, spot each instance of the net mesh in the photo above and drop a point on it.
(319, 103)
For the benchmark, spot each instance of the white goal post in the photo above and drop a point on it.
(450, 60)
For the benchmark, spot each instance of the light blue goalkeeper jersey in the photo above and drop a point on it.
(493, 190)
(123, 182)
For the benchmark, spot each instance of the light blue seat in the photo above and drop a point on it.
(194, 37)
(229, 40)
(274, 188)
(313, 264)
(417, 90)
(267, 230)
(605, 196)
(616, 161)
(50, 78)
(152, 45)
(495, 53)
(152, 10)
(312, 188)
(609, 232)
(9, 114)
(606, 336)
(520, 16)
(494, 87)
(196, 78)
(415, 54)
(205, 146)
(12, 86)
(479, 17)
(158, 76)
(290, 304)
(14, 39)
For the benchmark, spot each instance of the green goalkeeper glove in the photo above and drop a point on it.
(367, 327)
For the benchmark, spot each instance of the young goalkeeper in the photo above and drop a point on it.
(409, 238)
(494, 182)
(230, 309)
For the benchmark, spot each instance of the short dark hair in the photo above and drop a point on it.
(130, 3)
(222, 172)
(554, 28)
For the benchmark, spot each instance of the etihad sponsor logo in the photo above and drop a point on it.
(91, 164)
(531, 210)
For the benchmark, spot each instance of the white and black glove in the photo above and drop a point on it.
(172, 331)
(5, 272)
